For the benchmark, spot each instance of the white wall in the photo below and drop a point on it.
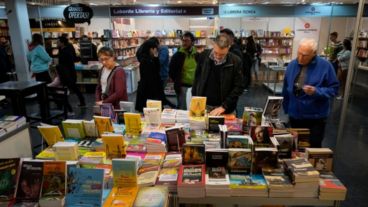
(161, 23)
(338, 24)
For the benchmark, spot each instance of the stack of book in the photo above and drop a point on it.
(248, 185)
(182, 116)
(147, 176)
(285, 145)
(217, 177)
(191, 181)
(10, 123)
(320, 158)
(155, 145)
(278, 183)
(304, 177)
(169, 172)
(168, 116)
(331, 188)
(197, 123)
(152, 116)
(66, 151)
(157, 196)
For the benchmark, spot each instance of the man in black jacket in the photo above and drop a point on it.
(219, 77)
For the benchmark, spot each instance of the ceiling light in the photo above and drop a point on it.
(179, 2)
(153, 5)
(214, 2)
(93, 4)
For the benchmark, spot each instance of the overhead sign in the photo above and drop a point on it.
(50, 23)
(78, 13)
(313, 11)
(164, 11)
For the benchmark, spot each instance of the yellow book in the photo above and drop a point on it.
(114, 145)
(121, 197)
(198, 33)
(93, 157)
(154, 104)
(197, 106)
(46, 154)
(133, 124)
(51, 134)
(103, 124)
(73, 128)
(66, 151)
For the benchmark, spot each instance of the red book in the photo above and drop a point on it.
(192, 176)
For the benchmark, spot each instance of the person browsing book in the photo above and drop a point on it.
(309, 84)
(111, 87)
(219, 77)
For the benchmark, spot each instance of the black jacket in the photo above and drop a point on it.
(65, 67)
(231, 83)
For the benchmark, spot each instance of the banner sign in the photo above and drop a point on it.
(50, 23)
(78, 13)
(164, 11)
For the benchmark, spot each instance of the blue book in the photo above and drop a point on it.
(158, 135)
(85, 187)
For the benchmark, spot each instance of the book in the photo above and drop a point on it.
(240, 160)
(264, 158)
(217, 157)
(147, 176)
(172, 160)
(66, 151)
(107, 110)
(156, 196)
(84, 187)
(119, 116)
(197, 106)
(302, 141)
(122, 197)
(320, 158)
(125, 173)
(214, 122)
(272, 107)
(300, 170)
(153, 159)
(114, 145)
(193, 154)
(285, 146)
(30, 182)
(191, 175)
(46, 154)
(277, 180)
(73, 128)
(252, 116)
(53, 184)
(329, 183)
(51, 134)
(261, 136)
(127, 106)
(175, 139)
(132, 124)
(279, 127)
(154, 104)
(238, 141)
(90, 128)
(152, 115)
(9, 171)
(93, 158)
(103, 124)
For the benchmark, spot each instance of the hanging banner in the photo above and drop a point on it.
(78, 13)
(164, 11)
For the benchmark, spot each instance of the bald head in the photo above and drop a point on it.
(306, 51)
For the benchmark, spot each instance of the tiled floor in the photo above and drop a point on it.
(351, 159)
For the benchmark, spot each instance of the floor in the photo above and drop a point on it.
(351, 158)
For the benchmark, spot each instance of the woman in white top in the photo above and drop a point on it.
(344, 58)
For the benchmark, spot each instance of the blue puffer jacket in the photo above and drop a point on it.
(321, 75)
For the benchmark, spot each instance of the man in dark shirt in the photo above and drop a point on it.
(219, 77)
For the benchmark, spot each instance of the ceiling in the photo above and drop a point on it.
(182, 2)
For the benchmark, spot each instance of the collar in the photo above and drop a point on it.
(212, 57)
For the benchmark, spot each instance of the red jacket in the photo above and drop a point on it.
(117, 88)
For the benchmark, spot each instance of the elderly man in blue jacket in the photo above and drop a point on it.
(309, 85)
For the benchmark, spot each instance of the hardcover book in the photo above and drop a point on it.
(9, 170)
(51, 134)
(175, 139)
(133, 124)
(84, 187)
(30, 182)
(252, 116)
(272, 107)
(193, 154)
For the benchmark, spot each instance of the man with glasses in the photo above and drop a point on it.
(219, 77)
(309, 84)
(182, 68)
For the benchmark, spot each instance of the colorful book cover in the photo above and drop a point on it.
(133, 124)
(156, 196)
(46, 154)
(30, 182)
(214, 122)
(193, 154)
(152, 115)
(90, 128)
(192, 175)
(238, 141)
(8, 178)
(54, 180)
(121, 197)
(264, 158)
(51, 134)
(197, 106)
(252, 116)
(73, 129)
(285, 146)
(154, 104)
(147, 176)
(114, 145)
(125, 173)
(85, 187)
(103, 124)
(273, 106)
(256, 182)
(158, 135)
(175, 139)
(240, 160)
(153, 159)
(261, 136)
(107, 110)
(329, 181)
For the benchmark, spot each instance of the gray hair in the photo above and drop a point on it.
(222, 41)
(310, 42)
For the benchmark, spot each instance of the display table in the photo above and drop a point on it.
(16, 143)
(272, 83)
(257, 201)
(17, 90)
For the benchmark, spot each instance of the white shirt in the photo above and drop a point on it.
(104, 76)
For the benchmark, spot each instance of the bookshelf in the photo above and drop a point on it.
(362, 49)
(276, 47)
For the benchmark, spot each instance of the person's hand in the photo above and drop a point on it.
(217, 111)
(309, 90)
(98, 103)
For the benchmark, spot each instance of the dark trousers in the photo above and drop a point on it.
(43, 76)
(74, 88)
(316, 127)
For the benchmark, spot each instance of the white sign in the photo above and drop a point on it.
(305, 28)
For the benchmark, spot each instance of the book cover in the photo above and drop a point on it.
(156, 196)
(285, 146)
(84, 187)
(152, 115)
(216, 172)
(9, 169)
(238, 141)
(107, 110)
(158, 135)
(66, 151)
(30, 182)
(125, 173)
(255, 182)
(154, 104)
(240, 160)
(90, 128)
(114, 145)
(103, 124)
(168, 176)
(73, 129)
(214, 122)
(217, 157)
(132, 124)
(264, 158)
(192, 175)
(261, 136)
(279, 127)
(54, 181)
(148, 176)
(46, 154)
(175, 139)
(172, 160)
(329, 182)
(119, 116)
(272, 107)
(277, 179)
(51, 134)
(302, 141)
(299, 167)
(127, 106)
(320, 158)
(197, 106)
(193, 154)
(252, 116)
(121, 197)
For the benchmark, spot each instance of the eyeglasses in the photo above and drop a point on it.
(104, 59)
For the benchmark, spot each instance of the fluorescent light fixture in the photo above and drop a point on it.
(153, 5)
(199, 18)
(230, 4)
(179, 2)
(93, 4)
(2, 7)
